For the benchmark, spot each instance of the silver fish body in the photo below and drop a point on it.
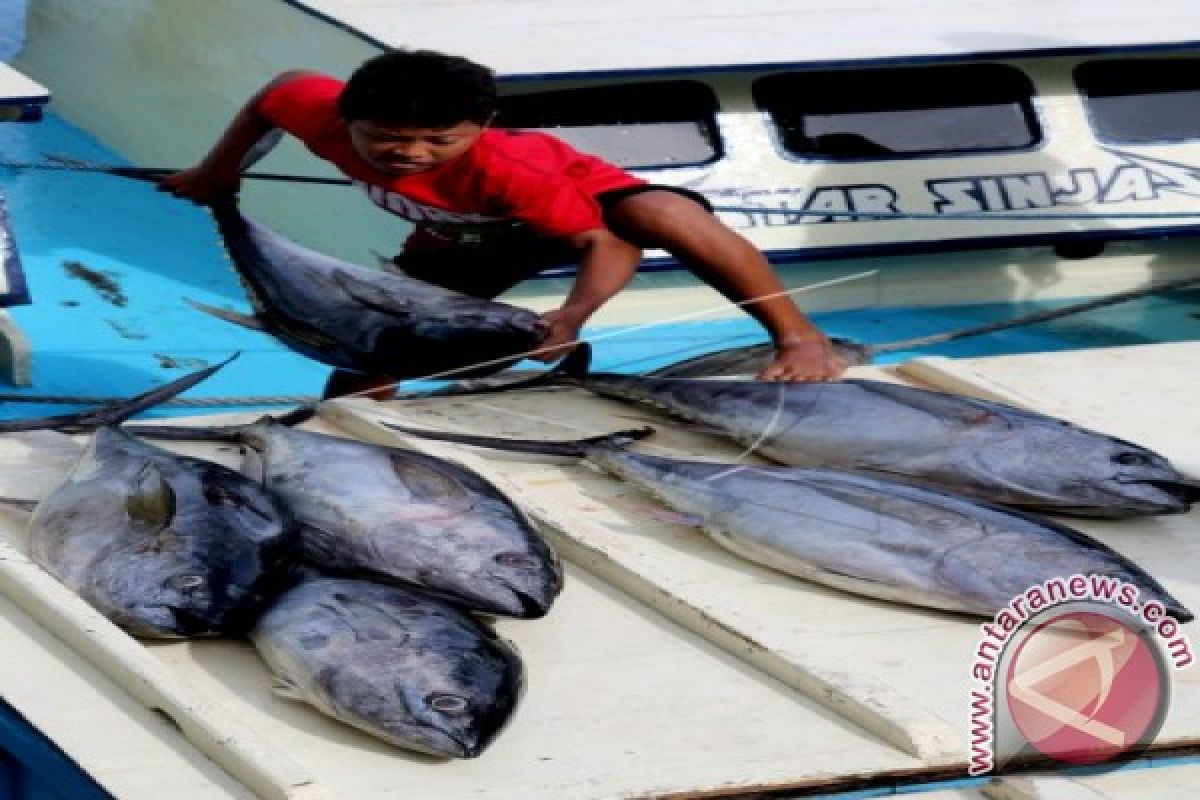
(163, 545)
(397, 515)
(878, 537)
(367, 320)
(393, 662)
(988, 450)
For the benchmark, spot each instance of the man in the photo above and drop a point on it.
(493, 207)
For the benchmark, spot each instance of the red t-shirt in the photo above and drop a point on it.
(506, 175)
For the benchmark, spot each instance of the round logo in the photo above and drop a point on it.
(1085, 687)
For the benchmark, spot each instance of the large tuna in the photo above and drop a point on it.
(398, 515)
(860, 533)
(987, 450)
(366, 320)
(399, 665)
(163, 545)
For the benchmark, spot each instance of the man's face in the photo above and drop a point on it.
(401, 150)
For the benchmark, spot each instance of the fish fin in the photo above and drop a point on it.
(382, 261)
(942, 404)
(570, 449)
(743, 360)
(287, 690)
(296, 416)
(114, 413)
(254, 323)
(431, 482)
(17, 502)
(572, 369)
(152, 501)
(371, 295)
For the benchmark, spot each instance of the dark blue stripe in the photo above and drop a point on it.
(884, 249)
(33, 768)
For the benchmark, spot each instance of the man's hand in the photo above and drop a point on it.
(200, 184)
(807, 359)
(562, 328)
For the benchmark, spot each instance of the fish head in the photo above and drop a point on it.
(456, 712)
(1076, 471)
(181, 606)
(1132, 479)
(521, 583)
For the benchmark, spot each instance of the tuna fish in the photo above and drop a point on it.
(860, 533)
(163, 545)
(398, 515)
(393, 662)
(987, 450)
(366, 320)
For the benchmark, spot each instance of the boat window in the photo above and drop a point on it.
(644, 125)
(1142, 100)
(858, 114)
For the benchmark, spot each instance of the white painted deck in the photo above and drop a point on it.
(668, 667)
(853, 654)
(538, 37)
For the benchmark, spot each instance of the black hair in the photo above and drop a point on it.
(420, 88)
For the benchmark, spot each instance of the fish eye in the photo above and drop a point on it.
(1132, 459)
(447, 703)
(185, 582)
(516, 560)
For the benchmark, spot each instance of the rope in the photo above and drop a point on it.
(153, 173)
(197, 402)
(1038, 316)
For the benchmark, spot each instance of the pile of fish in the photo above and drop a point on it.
(397, 548)
(890, 491)
(859, 532)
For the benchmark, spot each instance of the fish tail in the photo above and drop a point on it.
(571, 370)
(19, 502)
(570, 449)
(113, 413)
(225, 211)
(184, 433)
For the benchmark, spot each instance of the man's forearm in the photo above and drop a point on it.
(244, 131)
(606, 267)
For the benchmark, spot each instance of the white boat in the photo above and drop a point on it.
(669, 668)
(1019, 163)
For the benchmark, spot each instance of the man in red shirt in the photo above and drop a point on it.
(492, 207)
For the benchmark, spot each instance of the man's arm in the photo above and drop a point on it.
(219, 173)
(606, 264)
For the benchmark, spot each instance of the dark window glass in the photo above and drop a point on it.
(664, 124)
(855, 114)
(1142, 100)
